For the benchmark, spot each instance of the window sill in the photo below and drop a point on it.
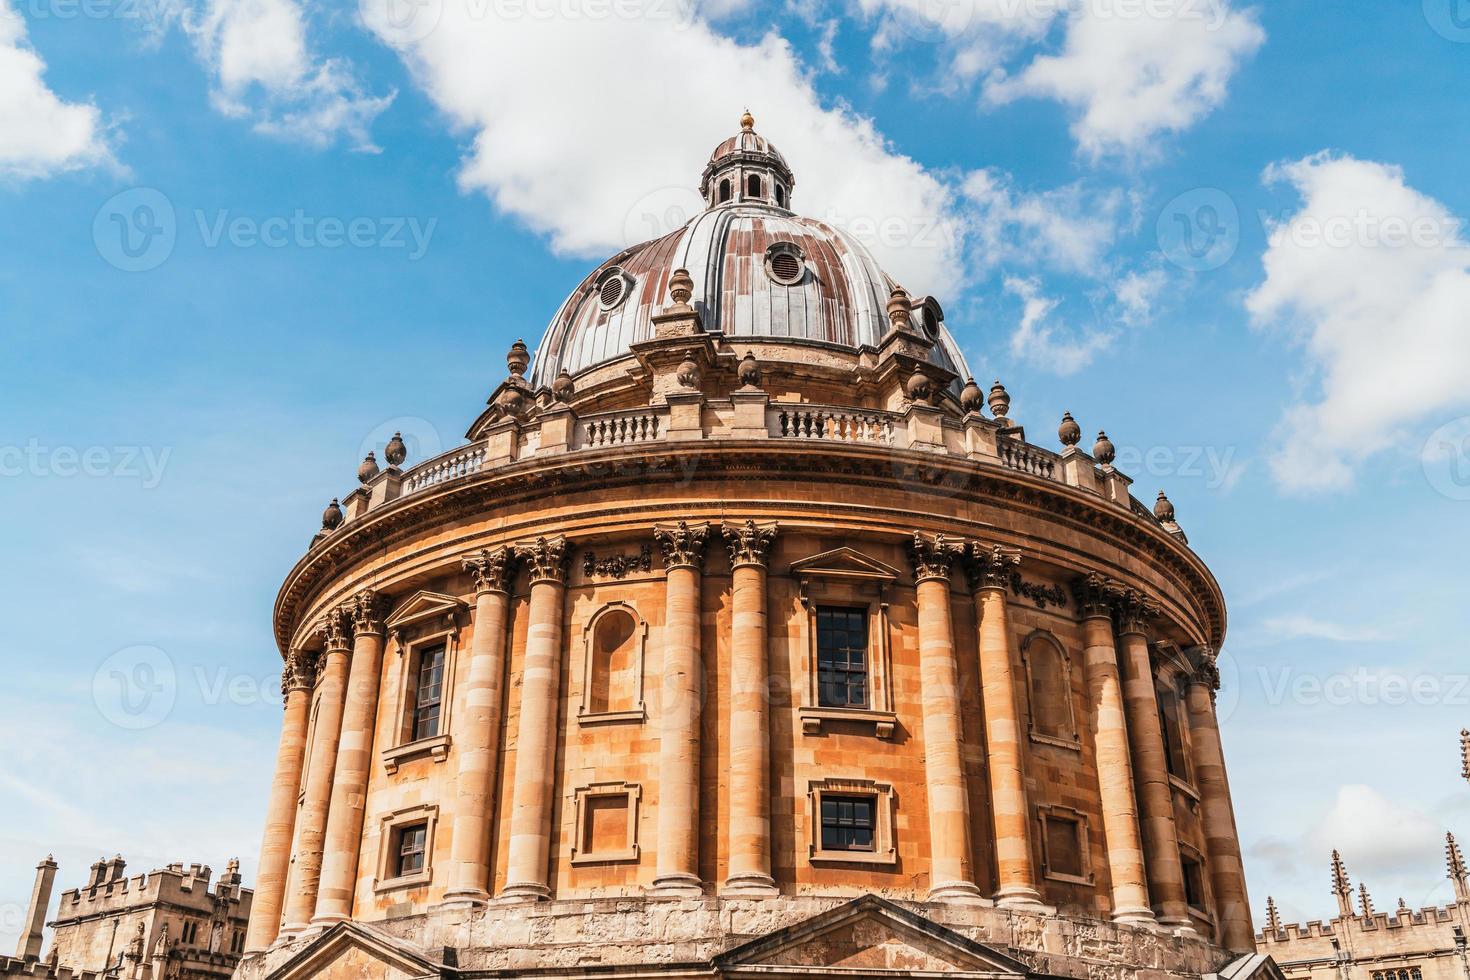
(416, 880)
(882, 858)
(635, 716)
(1184, 787)
(1068, 879)
(438, 747)
(883, 722)
(1060, 741)
(606, 857)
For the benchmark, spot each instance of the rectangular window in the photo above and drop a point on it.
(1194, 883)
(847, 823)
(1169, 724)
(427, 694)
(1064, 847)
(842, 657)
(411, 840)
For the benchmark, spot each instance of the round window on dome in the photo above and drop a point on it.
(613, 289)
(784, 263)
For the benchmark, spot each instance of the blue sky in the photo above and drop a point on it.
(1227, 233)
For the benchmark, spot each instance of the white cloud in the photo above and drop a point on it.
(1373, 278)
(1304, 627)
(595, 173)
(1040, 340)
(266, 71)
(1070, 228)
(1131, 72)
(40, 134)
(1137, 294)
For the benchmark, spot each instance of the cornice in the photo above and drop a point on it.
(688, 465)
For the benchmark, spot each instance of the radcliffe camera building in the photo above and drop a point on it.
(748, 635)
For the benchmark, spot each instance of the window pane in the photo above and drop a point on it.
(847, 823)
(842, 657)
(428, 694)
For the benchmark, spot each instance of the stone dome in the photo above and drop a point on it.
(760, 271)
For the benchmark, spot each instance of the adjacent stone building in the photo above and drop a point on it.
(167, 924)
(747, 635)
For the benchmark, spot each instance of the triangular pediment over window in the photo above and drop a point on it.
(352, 951)
(843, 563)
(868, 937)
(1251, 966)
(423, 606)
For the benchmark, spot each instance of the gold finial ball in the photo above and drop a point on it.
(747, 121)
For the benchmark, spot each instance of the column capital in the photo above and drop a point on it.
(1096, 595)
(1134, 611)
(491, 570)
(299, 674)
(367, 608)
(990, 566)
(749, 543)
(682, 545)
(933, 556)
(1208, 675)
(336, 630)
(546, 557)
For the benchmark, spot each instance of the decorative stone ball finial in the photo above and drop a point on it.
(1103, 450)
(368, 469)
(1000, 401)
(681, 286)
(1164, 509)
(900, 312)
(1069, 432)
(511, 401)
(747, 122)
(563, 388)
(332, 516)
(971, 397)
(749, 371)
(920, 387)
(395, 452)
(518, 359)
(689, 375)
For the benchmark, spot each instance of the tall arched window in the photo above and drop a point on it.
(780, 196)
(613, 685)
(1049, 687)
(724, 190)
(753, 186)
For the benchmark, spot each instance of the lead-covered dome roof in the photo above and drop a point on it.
(760, 271)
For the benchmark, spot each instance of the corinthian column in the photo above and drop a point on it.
(1222, 842)
(326, 731)
(1150, 769)
(990, 572)
(477, 735)
(1110, 745)
(677, 871)
(750, 773)
(527, 868)
(280, 818)
(354, 761)
(951, 877)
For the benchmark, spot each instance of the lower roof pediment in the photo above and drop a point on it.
(352, 951)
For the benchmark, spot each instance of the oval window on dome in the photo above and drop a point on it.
(784, 263)
(613, 289)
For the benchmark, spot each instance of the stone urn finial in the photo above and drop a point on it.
(332, 516)
(900, 312)
(518, 359)
(563, 388)
(1103, 450)
(395, 452)
(689, 375)
(681, 287)
(1069, 432)
(919, 388)
(368, 469)
(1164, 509)
(749, 371)
(972, 399)
(1000, 402)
